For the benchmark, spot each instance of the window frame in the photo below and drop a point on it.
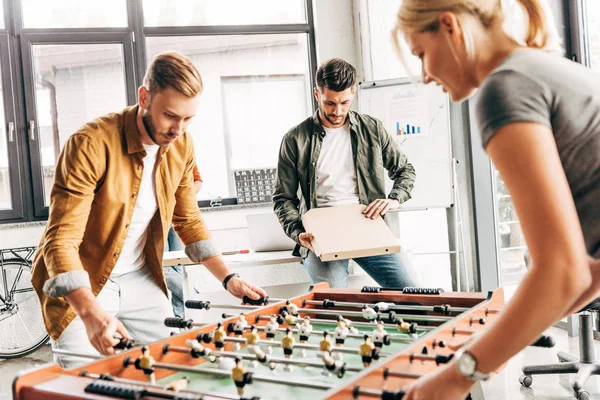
(70, 37)
(27, 189)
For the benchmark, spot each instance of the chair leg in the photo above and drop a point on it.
(562, 368)
(585, 371)
(566, 357)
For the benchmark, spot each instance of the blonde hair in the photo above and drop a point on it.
(174, 70)
(416, 16)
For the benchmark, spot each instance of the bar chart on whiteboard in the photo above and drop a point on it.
(417, 117)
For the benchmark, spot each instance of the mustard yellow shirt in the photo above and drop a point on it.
(97, 177)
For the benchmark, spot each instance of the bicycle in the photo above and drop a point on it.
(22, 329)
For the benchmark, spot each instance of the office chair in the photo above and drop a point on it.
(584, 366)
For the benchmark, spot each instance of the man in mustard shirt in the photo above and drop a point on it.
(120, 181)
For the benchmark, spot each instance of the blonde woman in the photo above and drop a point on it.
(539, 117)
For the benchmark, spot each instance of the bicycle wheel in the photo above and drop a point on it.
(22, 329)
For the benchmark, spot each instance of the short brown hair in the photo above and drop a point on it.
(335, 74)
(174, 70)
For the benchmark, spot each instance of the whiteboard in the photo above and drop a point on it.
(418, 118)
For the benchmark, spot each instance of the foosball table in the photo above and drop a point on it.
(327, 344)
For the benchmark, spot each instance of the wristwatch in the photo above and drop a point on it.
(466, 365)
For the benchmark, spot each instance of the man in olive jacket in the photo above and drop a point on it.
(337, 157)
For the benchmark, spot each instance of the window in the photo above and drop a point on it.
(72, 84)
(511, 242)
(74, 14)
(5, 133)
(256, 87)
(592, 15)
(65, 63)
(223, 12)
(381, 59)
(2, 14)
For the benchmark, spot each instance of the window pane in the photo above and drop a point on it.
(74, 84)
(511, 242)
(385, 62)
(223, 12)
(2, 26)
(256, 87)
(5, 192)
(593, 32)
(74, 14)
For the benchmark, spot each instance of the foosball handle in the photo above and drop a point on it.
(263, 301)
(124, 344)
(113, 389)
(173, 322)
(544, 341)
(405, 290)
(198, 304)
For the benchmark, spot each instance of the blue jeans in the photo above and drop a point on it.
(174, 275)
(174, 278)
(387, 270)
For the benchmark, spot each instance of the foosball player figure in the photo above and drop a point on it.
(348, 324)
(406, 327)
(219, 336)
(240, 376)
(331, 366)
(304, 330)
(198, 350)
(271, 330)
(178, 385)
(289, 318)
(369, 313)
(379, 335)
(146, 363)
(325, 345)
(287, 343)
(238, 329)
(252, 339)
(291, 308)
(340, 334)
(367, 350)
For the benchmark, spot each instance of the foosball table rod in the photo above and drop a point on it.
(445, 309)
(223, 373)
(274, 343)
(252, 357)
(179, 394)
(331, 322)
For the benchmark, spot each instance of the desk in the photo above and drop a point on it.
(272, 272)
(252, 259)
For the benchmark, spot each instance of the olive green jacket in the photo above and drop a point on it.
(373, 149)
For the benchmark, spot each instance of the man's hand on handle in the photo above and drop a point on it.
(99, 325)
(240, 288)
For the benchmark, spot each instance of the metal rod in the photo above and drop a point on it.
(274, 343)
(255, 377)
(67, 353)
(390, 306)
(408, 317)
(253, 357)
(330, 321)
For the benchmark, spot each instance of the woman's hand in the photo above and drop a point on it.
(444, 383)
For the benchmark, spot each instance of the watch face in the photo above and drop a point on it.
(466, 364)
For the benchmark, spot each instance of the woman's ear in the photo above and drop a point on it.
(449, 24)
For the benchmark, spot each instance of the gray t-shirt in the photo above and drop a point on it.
(534, 86)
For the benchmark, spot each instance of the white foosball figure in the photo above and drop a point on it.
(271, 330)
(352, 329)
(304, 330)
(369, 313)
(291, 308)
(238, 328)
(340, 334)
(197, 350)
(383, 306)
(379, 334)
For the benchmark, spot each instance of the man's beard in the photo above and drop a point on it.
(324, 115)
(147, 121)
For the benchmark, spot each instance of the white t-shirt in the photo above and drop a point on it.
(336, 172)
(132, 254)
